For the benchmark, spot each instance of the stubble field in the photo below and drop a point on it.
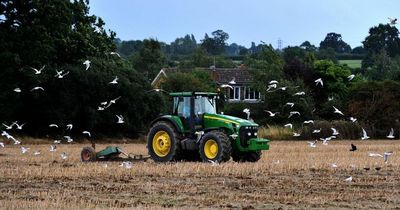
(289, 175)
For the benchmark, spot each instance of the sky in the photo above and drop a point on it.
(292, 21)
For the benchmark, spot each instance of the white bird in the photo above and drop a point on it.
(352, 119)
(232, 82)
(57, 142)
(37, 88)
(351, 77)
(113, 101)
(69, 127)
(392, 21)
(330, 98)
(334, 131)
(213, 163)
(17, 90)
(300, 93)
(309, 122)
(374, 155)
(60, 74)
(87, 133)
(126, 164)
(271, 114)
(293, 113)
(87, 64)
(386, 156)
(337, 111)
(53, 148)
(100, 108)
(38, 71)
(319, 81)
(115, 53)
(53, 126)
(273, 82)
(325, 140)
(316, 131)
(36, 153)
(69, 139)
(391, 134)
(282, 88)
(349, 179)
(64, 156)
(364, 134)
(289, 125)
(9, 127)
(24, 149)
(296, 134)
(312, 144)
(15, 140)
(334, 165)
(226, 86)
(115, 80)
(290, 104)
(120, 119)
(1, 144)
(271, 86)
(234, 136)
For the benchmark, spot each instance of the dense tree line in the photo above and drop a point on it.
(60, 35)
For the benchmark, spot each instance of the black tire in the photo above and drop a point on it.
(223, 145)
(246, 156)
(173, 154)
(88, 154)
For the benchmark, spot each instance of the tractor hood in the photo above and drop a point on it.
(229, 119)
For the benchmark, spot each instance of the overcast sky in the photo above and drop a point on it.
(292, 21)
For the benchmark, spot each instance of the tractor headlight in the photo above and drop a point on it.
(249, 134)
(255, 133)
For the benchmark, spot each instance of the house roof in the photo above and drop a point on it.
(219, 75)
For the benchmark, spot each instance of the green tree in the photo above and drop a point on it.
(216, 44)
(194, 81)
(128, 48)
(334, 41)
(149, 59)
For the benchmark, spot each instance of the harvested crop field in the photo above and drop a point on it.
(290, 175)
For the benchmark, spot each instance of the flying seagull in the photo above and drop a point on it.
(115, 53)
(271, 86)
(19, 127)
(38, 71)
(69, 139)
(120, 119)
(352, 119)
(337, 111)
(296, 134)
(312, 144)
(334, 131)
(24, 149)
(226, 86)
(271, 114)
(17, 90)
(351, 77)
(391, 134)
(273, 82)
(293, 113)
(87, 64)
(365, 135)
(53, 148)
(2, 144)
(289, 125)
(290, 104)
(69, 127)
(232, 82)
(113, 101)
(319, 81)
(349, 179)
(213, 163)
(61, 74)
(115, 81)
(64, 156)
(37, 88)
(87, 133)
(9, 127)
(392, 21)
(300, 93)
(386, 156)
(53, 126)
(57, 142)
(309, 122)
(316, 131)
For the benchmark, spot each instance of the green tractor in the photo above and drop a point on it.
(194, 130)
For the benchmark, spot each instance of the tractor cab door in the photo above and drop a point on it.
(182, 109)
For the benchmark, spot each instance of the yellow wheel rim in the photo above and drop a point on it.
(211, 149)
(161, 143)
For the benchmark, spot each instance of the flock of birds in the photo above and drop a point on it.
(59, 74)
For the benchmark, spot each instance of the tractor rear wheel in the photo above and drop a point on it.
(247, 156)
(88, 154)
(163, 142)
(215, 146)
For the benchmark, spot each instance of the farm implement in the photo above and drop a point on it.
(110, 153)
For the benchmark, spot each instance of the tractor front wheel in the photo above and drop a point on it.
(163, 143)
(88, 154)
(215, 146)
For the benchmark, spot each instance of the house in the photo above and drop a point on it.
(239, 79)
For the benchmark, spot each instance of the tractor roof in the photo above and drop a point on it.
(187, 94)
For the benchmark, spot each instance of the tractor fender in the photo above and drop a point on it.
(169, 119)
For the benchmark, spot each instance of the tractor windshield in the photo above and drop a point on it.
(204, 104)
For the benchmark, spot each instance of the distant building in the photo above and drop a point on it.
(239, 78)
